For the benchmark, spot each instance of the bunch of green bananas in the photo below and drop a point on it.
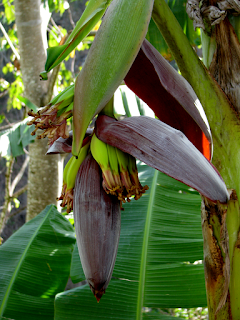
(52, 119)
(119, 171)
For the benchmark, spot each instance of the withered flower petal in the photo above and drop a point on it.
(97, 218)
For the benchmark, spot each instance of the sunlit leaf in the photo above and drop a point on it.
(35, 263)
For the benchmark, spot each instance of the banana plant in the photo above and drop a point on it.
(179, 143)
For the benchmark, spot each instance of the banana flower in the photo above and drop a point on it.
(97, 212)
(178, 144)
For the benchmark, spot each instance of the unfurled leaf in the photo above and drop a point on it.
(166, 149)
(169, 95)
(14, 140)
(90, 17)
(35, 264)
(28, 103)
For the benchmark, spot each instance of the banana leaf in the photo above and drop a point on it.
(14, 140)
(90, 17)
(158, 257)
(35, 265)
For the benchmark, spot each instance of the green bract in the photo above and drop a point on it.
(112, 53)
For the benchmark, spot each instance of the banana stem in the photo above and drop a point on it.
(233, 224)
(108, 110)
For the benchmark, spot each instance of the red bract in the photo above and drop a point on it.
(97, 218)
(169, 95)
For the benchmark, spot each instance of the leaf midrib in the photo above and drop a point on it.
(145, 246)
(3, 305)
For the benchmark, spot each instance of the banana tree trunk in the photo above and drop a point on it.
(220, 223)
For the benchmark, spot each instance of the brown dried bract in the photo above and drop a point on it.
(67, 198)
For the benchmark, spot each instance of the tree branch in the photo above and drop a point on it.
(19, 192)
(18, 176)
(17, 212)
(9, 41)
(7, 201)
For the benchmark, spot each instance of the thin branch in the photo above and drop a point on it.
(9, 41)
(18, 176)
(7, 202)
(6, 119)
(51, 30)
(92, 33)
(70, 17)
(4, 93)
(19, 192)
(56, 26)
(7, 126)
(17, 212)
(25, 151)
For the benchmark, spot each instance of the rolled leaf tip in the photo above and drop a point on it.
(43, 75)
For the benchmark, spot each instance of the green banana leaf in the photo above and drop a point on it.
(35, 265)
(160, 242)
(125, 104)
(14, 140)
(90, 17)
(141, 107)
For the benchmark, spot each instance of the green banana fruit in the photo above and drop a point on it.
(66, 168)
(91, 15)
(119, 171)
(69, 177)
(73, 169)
(65, 174)
(123, 164)
(113, 161)
(137, 189)
(100, 153)
(110, 57)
